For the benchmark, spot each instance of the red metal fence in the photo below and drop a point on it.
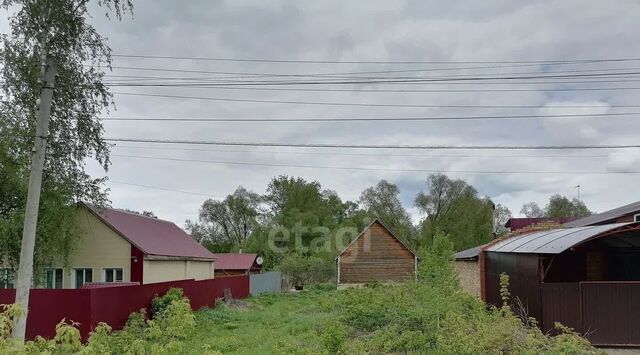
(605, 311)
(112, 305)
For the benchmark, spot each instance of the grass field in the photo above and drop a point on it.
(380, 319)
(263, 325)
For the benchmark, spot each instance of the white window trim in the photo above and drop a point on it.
(636, 217)
(104, 273)
(73, 275)
(54, 276)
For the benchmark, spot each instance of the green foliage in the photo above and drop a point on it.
(383, 201)
(558, 206)
(165, 334)
(61, 30)
(225, 225)
(436, 267)
(303, 271)
(160, 303)
(561, 206)
(333, 334)
(455, 208)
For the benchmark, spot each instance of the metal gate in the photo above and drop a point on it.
(268, 282)
(606, 312)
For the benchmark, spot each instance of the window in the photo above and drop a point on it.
(113, 275)
(53, 278)
(636, 218)
(82, 276)
(7, 277)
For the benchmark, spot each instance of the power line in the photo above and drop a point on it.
(363, 154)
(217, 81)
(369, 168)
(263, 60)
(396, 81)
(353, 119)
(292, 102)
(159, 188)
(224, 87)
(334, 75)
(368, 146)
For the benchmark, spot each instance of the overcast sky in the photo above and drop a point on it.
(374, 31)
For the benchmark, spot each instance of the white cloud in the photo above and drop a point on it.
(374, 30)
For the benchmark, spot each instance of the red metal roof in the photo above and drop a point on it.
(153, 236)
(517, 223)
(234, 261)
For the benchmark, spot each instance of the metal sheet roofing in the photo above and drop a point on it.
(606, 216)
(234, 261)
(553, 241)
(153, 236)
(468, 254)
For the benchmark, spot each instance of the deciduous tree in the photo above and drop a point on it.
(532, 210)
(59, 28)
(453, 207)
(383, 201)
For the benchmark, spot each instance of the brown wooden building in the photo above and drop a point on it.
(376, 254)
(231, 264)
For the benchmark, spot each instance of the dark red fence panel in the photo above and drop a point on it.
(47, 307)
(112, 305)
(561, 303)
(610, 312)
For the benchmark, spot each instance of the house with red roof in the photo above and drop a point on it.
(115, 246)
(228, 264)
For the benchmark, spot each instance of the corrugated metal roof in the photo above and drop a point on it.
(153, 236)
(468, 254)
(605, 216)
(553, 241)
(234, 261)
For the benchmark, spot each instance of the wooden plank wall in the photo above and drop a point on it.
(376, 256)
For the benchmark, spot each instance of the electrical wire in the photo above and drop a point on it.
(264, 60)
(353, 119)
(370, 168)
(292, 102)
(376, 155)
(370, 146)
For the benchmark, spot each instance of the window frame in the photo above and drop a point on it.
(636, 217)
(84, 276)
(115, 274)
(6, 274)
(53, 270)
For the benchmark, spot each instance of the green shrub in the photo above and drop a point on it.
(333, 334)
(303, 271)
(160, 303)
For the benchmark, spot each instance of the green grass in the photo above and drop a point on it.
(267, 324)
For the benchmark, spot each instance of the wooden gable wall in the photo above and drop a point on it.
(376, 255)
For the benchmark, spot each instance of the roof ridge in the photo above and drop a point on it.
(128, 212)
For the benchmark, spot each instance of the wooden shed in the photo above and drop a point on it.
(376, 255)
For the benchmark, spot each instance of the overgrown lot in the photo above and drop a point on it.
(431, 316)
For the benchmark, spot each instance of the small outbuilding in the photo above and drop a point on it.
(586, 278)
(466, 265)
(230, 264)
(376, 255)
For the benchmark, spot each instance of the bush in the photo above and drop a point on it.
(303, 270)
(164, 334)
(159, 304)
